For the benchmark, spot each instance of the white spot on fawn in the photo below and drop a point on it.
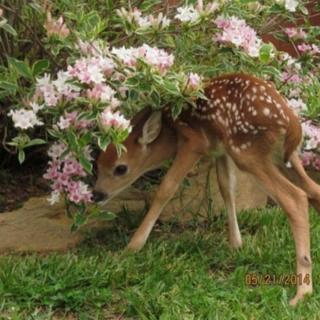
(266, 111)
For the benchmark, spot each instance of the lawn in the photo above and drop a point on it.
(183, 273)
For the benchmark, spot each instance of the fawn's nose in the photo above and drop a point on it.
(99, 196)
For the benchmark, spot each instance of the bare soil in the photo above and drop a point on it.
(20, 182)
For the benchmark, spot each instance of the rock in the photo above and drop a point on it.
(36, 227)
(40, 227)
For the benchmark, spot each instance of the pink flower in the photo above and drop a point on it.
(307, 158)
(193, 82)
(71, 118)
(62, 174)
(316, 163)
(155, 57)
(297, 33)
(315, 49)
(101, 92)
(307, 48)
(312, 134)
(237, 32)
(52, 172)
(91, 70)
(56, 26)
(115, 120)
(78, 192)
(291, 78)
(47, 91)
(304, 47)
(73, 168)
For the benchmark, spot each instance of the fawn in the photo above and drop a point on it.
(252, 126)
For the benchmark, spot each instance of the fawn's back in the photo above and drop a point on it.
(245, 112)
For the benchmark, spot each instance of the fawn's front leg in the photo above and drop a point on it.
(192, 145)
(227, 181)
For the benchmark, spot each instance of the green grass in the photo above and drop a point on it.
(182, 273)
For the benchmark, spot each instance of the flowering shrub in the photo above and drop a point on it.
(102, 74)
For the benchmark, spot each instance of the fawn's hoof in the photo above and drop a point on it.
(235, 243)
(235, 240)
(134, 246)
(300, 296)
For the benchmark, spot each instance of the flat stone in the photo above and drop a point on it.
(37, 226)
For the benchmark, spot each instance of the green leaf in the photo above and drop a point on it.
(40, 66)
(35, 142)
(86, 164)
(38, 8)
(171, 88)
(265, 53)
(9, 29)
(22, 67)
(176, 109)
(103, 142)
(80, 219)
(21, 156)
(72, 140)
(104, 215)
(8, 86)
(54, 133)
(85, 139)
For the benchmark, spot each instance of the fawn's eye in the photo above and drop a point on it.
(120, 170)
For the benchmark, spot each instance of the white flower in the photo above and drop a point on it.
(187, 14)
(127, 56)
(62, 85)
(87, 153)
(297, 104)
(24, 118)
(254, 49)
(36, 107)
(107, 93)
(91, 48)
(44, 81)
(291, 5)
(294, 93)
(54, 197)
(165, 22)
(83, 188)
(95, 74)
(144, 22)
(63, 123)
(56, 150)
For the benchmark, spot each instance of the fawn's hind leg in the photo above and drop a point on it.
(227, 181)
(294, 202)
(305, 182)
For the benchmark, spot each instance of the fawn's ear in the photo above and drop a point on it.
(151, 128)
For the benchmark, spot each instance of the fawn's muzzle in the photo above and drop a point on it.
(99, 196)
